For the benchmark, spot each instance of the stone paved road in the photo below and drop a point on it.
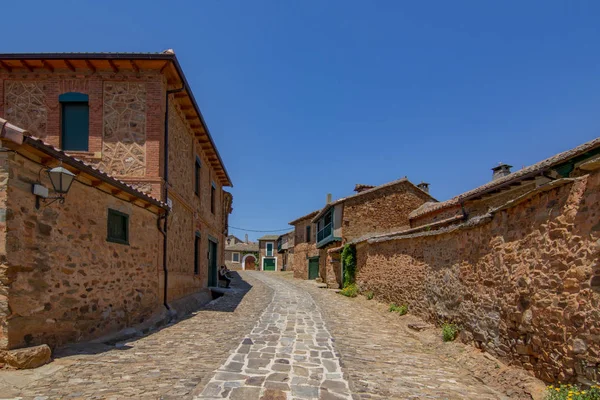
(289, 354)
(283, 339)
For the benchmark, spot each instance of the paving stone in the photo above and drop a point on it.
(271, 394)
(244, 393)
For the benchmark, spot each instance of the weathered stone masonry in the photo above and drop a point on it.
(523, 283)
(61, 281)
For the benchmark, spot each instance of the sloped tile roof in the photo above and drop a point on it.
(8, 130)
(534, 169)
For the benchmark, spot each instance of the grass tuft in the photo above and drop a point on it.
(369, 295)
(402, 309)
(449, 332)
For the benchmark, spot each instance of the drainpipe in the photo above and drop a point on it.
(163, 230)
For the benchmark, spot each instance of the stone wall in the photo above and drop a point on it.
(64, 281)
(124, 138)
(382, 210)
(330, 267)
(523, 284)
(25, 105)
(191, 212)
(302, 252)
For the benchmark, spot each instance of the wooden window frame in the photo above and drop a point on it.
(197, 176)
(111, 239)
(66, 100)
(233, 257)
(213, 195)
(197, 244)
(267, 249)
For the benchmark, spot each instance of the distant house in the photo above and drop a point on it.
(241, 255)
(372, 209)
(306, 254)
(232, 239)
(285, 247)
(270, 259)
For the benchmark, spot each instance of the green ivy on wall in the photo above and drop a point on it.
(349, 260)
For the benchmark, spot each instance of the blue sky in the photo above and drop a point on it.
(305, 98)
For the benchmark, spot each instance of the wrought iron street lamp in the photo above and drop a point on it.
(61, 179)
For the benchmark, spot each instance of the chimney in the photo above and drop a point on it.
(424, 186)
(246, 238)
(501, 171)
(359, 187)
(328, 198)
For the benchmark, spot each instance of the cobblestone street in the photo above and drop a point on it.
(276, 338)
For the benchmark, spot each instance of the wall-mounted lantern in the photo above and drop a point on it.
(61, 179)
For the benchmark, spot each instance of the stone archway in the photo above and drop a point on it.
(249, 262)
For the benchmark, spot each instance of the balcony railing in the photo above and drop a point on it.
(325, 233)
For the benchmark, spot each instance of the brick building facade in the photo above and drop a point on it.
(132, 115)
(268, 257)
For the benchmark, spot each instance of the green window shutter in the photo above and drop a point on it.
(75, 121)
(269, 249)
(118, 227)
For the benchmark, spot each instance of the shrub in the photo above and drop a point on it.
(402, 310)
(449, 332)
(572, 392)
(369, 295)
(350, 290)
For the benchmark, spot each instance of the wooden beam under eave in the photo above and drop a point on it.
(186, 108)
(24, 63)
(147, 205)
(164, 66)
(113, 66)
(5, 66)
(134, 66)
(69, 65)
(91, 66)
(96, 183)
(46, 161)
(48, 66)
(180, 95)
(115, 191)
(191, 118)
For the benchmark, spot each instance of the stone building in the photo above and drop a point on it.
(372, 209)
(133, 117)
(306, 254)
(232, 239)
(75, 270)
(514, 263)
(270, 259)
(242, 256)
(285, 247)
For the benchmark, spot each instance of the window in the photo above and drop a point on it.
(197, 176)
(308, 234)
(213, 190)
(118, 227)
(75, 120)
(235, 257)
(197, 254)
(269, 249)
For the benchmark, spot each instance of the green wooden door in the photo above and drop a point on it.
(269, 264)
(313, 268)
(212, 263)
